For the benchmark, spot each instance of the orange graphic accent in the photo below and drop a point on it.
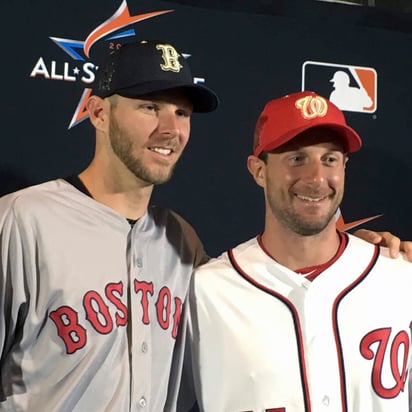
(120, 18)
(81, 112)
(367, 78)
(342, 225)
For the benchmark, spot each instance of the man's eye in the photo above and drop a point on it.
(331, 159)
(149, 107)
(183, 113)
(296, 158)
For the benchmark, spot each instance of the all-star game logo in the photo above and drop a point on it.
(80, 68)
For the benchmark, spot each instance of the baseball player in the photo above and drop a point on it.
(302, 317)
(92, 278)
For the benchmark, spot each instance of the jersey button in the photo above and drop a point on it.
(325, 400)
(139, 262)
(142, 402)
(145, 347)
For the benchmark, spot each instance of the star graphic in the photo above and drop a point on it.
(80, 50)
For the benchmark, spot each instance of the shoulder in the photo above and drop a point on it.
(38, 200)
(225, 262)
(34, 193)
(170, 220)
(383, 259)
(21, 197)
(400, 262)
(176, 231)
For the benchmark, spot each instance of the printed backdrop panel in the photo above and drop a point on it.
(48, 65)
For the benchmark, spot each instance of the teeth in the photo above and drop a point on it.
(161, 150)
(310, 199)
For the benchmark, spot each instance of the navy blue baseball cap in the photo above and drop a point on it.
(140, 68)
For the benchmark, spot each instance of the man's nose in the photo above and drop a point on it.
(168, 123)
(315, 171)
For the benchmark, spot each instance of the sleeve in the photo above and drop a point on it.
(410, 388)
(190, 394)
(194, 249)
(12, 286)
(187, 397)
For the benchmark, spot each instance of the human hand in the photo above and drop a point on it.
(392, 242)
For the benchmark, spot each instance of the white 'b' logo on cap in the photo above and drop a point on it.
(170, 58)
(312, 106)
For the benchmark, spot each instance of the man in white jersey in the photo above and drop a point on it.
(302, 317)
(92, 279)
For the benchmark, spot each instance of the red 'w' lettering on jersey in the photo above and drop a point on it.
(397, 353)
(273, 410)
(264, 336)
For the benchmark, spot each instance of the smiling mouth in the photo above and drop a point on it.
(161, 150)
(311, 199)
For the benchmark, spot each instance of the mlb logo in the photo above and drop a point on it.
(351, 88)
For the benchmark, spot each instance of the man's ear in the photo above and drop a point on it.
(98, 111)
(345, 161)
(257, 169)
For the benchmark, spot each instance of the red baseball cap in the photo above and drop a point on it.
(284, 118)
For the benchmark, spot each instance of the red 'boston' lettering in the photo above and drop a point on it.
(145, 288)
(273, 410)
(103, 317)
(176, 316)
(68, 328)
(163, 307)
(111, 290)
(92, 315)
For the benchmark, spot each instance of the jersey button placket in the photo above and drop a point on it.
(142, 402)
(138, 262)
(141, 341)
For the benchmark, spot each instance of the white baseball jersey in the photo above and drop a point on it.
(89, 306)
(267, 339)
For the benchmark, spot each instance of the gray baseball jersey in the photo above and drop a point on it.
(268, 339)
(90, 307)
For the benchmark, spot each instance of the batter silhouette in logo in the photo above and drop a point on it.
(347, 97)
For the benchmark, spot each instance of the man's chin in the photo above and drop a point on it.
(311, 228)
(158, 179)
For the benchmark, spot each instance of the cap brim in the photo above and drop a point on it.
(203, 99)
(352, 140)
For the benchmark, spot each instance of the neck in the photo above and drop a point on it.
(125, 194)
(295, 251)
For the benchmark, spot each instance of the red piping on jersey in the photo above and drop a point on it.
(296, 322)
(317, 269)
(338, 299)
(298, 328)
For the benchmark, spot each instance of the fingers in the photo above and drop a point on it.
(392, 242)
(406, 246)
(370, 236)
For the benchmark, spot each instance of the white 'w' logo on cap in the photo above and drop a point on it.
(312, 106)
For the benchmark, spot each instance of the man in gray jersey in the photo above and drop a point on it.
(92, 279)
